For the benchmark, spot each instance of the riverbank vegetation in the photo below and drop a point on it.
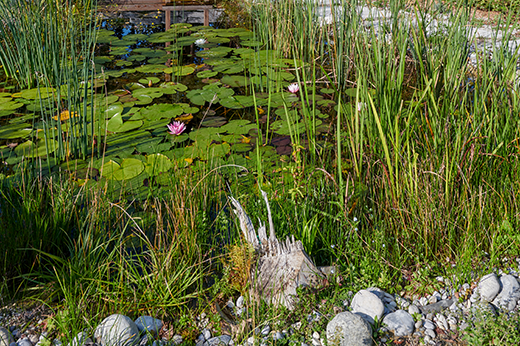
(395, 159)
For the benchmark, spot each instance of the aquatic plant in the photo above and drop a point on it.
(176, 128)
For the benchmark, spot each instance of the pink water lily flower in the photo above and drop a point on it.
(176, 128)
(294, 88)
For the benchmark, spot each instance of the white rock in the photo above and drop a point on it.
(400, 322)
(430, 333)
(206, 333)
(510, 293)
(413, 309)
(428, 324)
(24, 342)
(221, 340)
(5, 337)
(441, 321)
(367, 305)
(148, 324)
(488, 287)
(348, 329)
(117, 330)
(177, 339)
(80, 339)
(240, 302)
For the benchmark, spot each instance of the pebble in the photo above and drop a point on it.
(508, 297)
(348, 329)
(430, 333)
(413, 309)
(428, 324)
(118, 330)
(240, 302)
(400, 322)
(368, 305)
(5, 337)
(488, 286)
(148, 324)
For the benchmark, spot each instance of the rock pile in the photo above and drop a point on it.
(448, 310)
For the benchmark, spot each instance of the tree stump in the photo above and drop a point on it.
(282, 266)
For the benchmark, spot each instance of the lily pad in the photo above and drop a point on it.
(15, 131)
(10, 106)
(235, 81)
(206, 74)
(214, 121)
(39, 149)
(152, 68)
(149, 80)
(150, 92)
(36, 93)
(128, 169)
(157, 163)
(180, 70)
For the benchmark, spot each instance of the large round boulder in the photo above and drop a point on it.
(117, 330)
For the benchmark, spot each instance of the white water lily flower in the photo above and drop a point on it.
(200, 41)
(294, 88)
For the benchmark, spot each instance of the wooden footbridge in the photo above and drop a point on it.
(162, 5)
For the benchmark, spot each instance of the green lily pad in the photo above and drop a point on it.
(235, 81)
(162, 111)
(148, 80)
(136, 57)
(241, 147)
(128, 169)
(213, 121)
(119, 51)
(172, 87)
(36, 93)
(152, 68)
(251, 43)
(180, 70)
(10, 106)
(150, 92)
(206, 74)
(15, 131)
(238, 127)
(38, 149)
(157, 163)
(102, 59)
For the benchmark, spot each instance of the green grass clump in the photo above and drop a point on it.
(492, 329)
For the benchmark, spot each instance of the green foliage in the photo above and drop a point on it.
(491, 329)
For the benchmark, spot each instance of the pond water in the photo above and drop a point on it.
(227, 91)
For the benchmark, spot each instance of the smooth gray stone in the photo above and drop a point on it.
(117, 330)
(400, 322)
(221, 340)
(206, 333)
(24, 342)
(510, 293)
(437, 307)
(177, 339)
(240, 302)
(428, 324)
(5, 337)
(430, 333)
(348, 329)
(488, 286)
(80, 339)
(413, 309)
(367, 305)
(148, 324)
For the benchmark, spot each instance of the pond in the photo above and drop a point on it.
(230, 95)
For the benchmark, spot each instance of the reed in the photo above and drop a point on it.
(49, 45)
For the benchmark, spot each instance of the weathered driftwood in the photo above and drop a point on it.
(282, 266)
